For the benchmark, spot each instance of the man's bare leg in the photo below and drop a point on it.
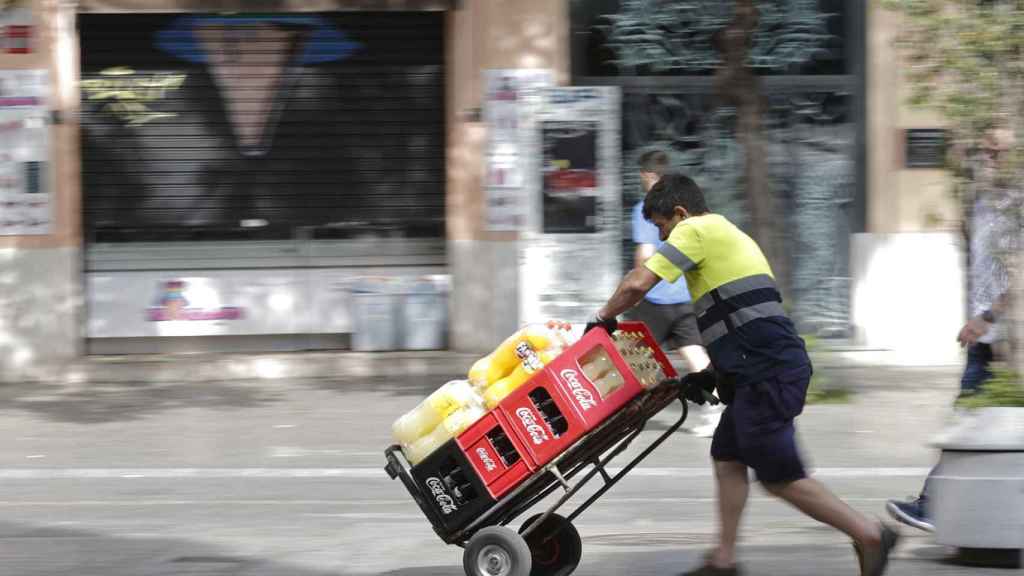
(733, 487)
(814, 499)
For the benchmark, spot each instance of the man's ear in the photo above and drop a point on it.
(681, 212)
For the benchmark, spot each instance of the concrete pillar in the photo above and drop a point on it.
(485, 35)
(40, 276)
(898, 199)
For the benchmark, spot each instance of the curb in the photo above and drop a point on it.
(158, 369)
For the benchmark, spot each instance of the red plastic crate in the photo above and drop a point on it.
(559, 405)
(495, 452)
(543, 418)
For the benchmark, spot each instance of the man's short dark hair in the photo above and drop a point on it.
(674, 190)
(655, 161)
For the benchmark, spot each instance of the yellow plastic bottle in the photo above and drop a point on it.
(433, 410)
(497, 392)
(449, 428)
(529, 340)
(478, 372)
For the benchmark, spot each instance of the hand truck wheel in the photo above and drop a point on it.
(496, 551)
(554, 545)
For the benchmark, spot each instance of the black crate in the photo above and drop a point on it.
(451, 488)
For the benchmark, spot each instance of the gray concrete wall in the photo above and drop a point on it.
(485, 299)
(499, 34)
(40, 311)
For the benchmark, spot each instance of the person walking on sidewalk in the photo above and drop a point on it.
(760, 367)
(993, 232)
(666, 308)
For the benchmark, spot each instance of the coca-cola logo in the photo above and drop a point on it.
(584, 397)
(486, 459)
(445, 501)
(537, 432)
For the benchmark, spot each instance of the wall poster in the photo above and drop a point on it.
(24, 153)
(511, 98)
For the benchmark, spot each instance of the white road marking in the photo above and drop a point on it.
(124, 503)
(379, 474)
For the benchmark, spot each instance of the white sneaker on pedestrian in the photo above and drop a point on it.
(704, 430)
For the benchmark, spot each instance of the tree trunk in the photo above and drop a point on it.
(737, 85)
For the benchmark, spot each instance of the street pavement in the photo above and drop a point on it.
(285, 477)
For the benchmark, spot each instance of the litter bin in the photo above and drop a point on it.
(375, 304)
(424, 313)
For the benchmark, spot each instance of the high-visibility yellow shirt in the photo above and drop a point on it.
(738, 305)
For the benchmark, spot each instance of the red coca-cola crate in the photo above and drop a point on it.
(559, 404)
(496, 453)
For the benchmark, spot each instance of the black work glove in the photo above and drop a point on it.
(699, 386)
(610, 325)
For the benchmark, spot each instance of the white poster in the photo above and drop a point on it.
(511, 98)
(24, 153)
(16, 27)
(570, 249)
(237, 302)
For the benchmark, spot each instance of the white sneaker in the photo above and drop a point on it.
(707, 429)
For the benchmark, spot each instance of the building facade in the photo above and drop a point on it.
(217, 173)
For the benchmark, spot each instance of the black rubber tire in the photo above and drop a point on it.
(555, 546)
(502, 544)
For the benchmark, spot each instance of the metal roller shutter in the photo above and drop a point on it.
(209, 127)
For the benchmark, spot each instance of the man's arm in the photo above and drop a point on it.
(630, 291)
(979, 325)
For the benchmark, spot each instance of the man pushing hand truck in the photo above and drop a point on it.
(759, 366)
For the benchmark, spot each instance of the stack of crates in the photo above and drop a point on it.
(528, 429)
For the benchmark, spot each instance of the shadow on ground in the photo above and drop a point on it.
(67, 551)
(102, 403)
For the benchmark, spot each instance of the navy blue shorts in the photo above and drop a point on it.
(757, 429)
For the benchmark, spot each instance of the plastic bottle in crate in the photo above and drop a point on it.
(611, 381)
(449, 428)
(532, 363)
(596, 364)
(425, 417)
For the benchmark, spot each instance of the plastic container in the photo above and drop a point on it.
(424, 313)
(432, 411)
(375, 306)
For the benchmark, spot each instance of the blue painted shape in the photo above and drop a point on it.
(325, 44)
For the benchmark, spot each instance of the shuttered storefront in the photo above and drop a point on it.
(207, 127)
(239, 171)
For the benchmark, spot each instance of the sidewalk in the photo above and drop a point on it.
(843, 367)
(195, 368)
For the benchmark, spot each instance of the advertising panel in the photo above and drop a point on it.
(24, 153)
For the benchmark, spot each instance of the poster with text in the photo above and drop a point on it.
(24, 153)
(511, 99)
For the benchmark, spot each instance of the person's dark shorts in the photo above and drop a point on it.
(757, 428)
(672, 325)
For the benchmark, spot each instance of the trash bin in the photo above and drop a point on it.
(424, 313)
(375, 305)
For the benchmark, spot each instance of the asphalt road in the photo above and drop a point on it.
(284, 477)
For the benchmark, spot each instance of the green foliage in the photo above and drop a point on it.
(1003, 390)
(965, 59)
